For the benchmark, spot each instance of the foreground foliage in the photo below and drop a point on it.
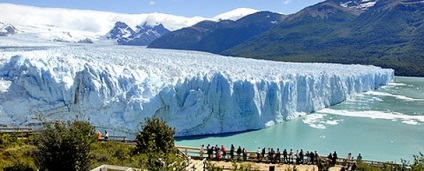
(16, 154)
(64, 146)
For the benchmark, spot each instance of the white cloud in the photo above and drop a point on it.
(152, 2)
(235, 14)
(286, 1)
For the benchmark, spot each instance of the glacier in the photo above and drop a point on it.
(117, 87)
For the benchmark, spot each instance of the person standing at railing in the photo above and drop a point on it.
(334, 158)
(244, 154)
(285, 159)
(291, 154)
(224, 152)
(348, 157)
(232, 151)
(217, 152)
(202, 149)
(238, 153)
(258, 154)
(106, 135)
(99, 136)
(316, 156)
(209, 151)
(312, 157)
(278, 156)
(359, 158)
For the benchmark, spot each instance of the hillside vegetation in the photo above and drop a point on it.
(389, 34)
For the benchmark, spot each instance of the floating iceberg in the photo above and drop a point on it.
(117, 87)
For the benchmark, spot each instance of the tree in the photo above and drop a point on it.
(418, 162)
(156, 142)
(64, 146)
(156, 137)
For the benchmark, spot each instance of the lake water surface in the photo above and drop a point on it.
(384, 125)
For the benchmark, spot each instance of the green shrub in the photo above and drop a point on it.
(112, 153)
(64, 146)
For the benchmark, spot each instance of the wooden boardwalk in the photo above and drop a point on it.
(194, 153)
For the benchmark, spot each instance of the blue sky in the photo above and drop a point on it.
(187, 8)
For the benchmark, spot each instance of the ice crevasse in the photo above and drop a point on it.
(197, 93)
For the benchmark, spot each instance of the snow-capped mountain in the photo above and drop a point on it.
(120, 30)
(117, 87)
(143, 36)
(7, 29)
(361, 5)
(69, 25)
(235, 14)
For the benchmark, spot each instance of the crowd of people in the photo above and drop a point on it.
(272, 156)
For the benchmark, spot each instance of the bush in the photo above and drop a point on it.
(418, 164)
(155, 146)
(112, 153)
(64, 146)
(6, 140)
(156, 137)
(17, 158)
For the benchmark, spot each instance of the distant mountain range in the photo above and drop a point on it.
(70, 25)
(219, 36)
(143, 36)
(387, 33)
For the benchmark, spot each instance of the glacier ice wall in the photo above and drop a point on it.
(115, 88)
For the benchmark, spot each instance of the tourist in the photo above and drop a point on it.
(106, 135)
(258, 154)
(297, 157)
(244, 154)
(224, 152)
(263, 153)
(301, 156)
(311, 157)
(285, 159)
(359, 158)
(217, 152)
(349, 155)
(329, 158)
(291, 156)
(201, 152)
(271, 155)
(238, 153)
(353, 168)
(278, 156)
(99, 136)
(316, 157)
(209, 150)
(334, 161)
(232, 151)
(307, 158)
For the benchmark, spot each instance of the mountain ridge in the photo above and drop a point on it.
(143, 36)
(218, 36)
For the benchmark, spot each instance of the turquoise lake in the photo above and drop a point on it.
(384, 125)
